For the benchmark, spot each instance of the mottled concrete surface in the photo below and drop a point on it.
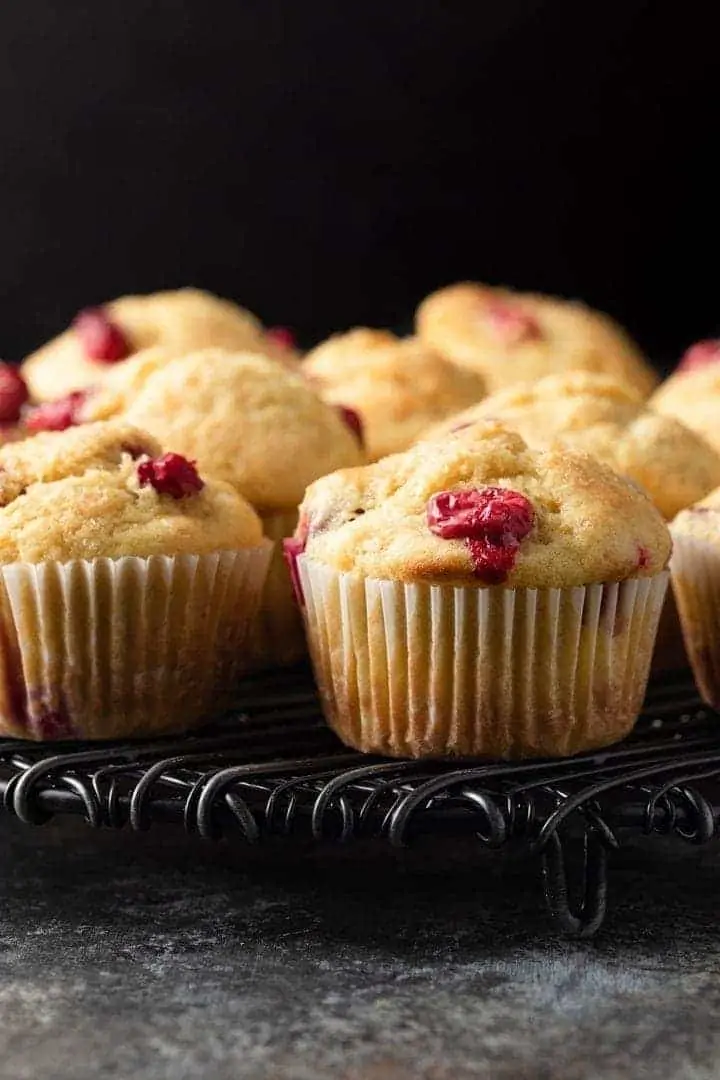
(155, 956)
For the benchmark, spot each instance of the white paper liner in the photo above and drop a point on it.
(695, 569)
(278, 636)
(435, 671)
(104, 648)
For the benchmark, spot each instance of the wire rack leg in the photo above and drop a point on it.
(588, 917)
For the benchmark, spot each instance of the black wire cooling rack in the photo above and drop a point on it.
(272, 767)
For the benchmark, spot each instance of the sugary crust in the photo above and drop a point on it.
(80, 498)
(597, 415)
(397, 385)
(247, 419)
(455, 321)
(54, 455)
(590, 524)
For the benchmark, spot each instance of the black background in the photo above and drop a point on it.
(327, 163)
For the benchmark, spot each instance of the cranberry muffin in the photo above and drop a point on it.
(478, 598)
(128, 587)
(512, 337)
(179, 321)
(251, 421)
(397, 386)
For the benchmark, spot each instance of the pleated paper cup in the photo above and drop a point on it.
(444, 671)
(278, 637)
(695, 568)
(108, 648)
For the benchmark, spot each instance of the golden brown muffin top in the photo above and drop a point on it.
(692, 395)
(397, 385)
(105, 490)
(484, 509)
(179, 321)
(249, 420)
(53, 455)
(515, 337)
(595, 414)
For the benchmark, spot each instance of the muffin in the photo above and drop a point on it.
(249, 420)
(695, 569)
(598, 415)
(478, 598)
(128, 586)
(396, 385)
(692, 393)
(178, 321)
(512, 337)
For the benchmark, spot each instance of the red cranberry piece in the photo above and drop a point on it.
(57, 415)
(477, 513)
(510, 324)
(492, 562)
(101, 338)
(293, 547)
(491, 520)
(13, 393)
(9, 433)
(644, 557)
(171, 474)
(282, 337)
(353, 420)
(700, 355)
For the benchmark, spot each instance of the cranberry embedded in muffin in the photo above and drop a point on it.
(13, 394)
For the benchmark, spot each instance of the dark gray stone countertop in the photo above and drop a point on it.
(158, 957)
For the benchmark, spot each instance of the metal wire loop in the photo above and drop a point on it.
(586, 918)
